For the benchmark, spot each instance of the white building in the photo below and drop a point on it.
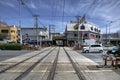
(86, 31)
(34, 34)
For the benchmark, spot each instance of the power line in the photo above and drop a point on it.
(30, 11)
(41, 23)
(26, 7)
(63, 14)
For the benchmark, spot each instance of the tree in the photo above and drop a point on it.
(1, 37)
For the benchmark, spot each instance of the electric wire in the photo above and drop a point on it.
(63, 14)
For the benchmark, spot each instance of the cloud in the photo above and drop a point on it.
(104, 10)
(44, 4)
(114, 27)
(59, 24)
(99, 11)
(7, 3)
(32, 5)
(10, 4)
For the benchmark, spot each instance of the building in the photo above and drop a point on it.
(3, 24)
(9, 33)
(85, 31)
(53, 34)
(34, 34)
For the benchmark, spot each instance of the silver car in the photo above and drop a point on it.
(93, 48)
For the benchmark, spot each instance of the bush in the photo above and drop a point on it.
(14, 46)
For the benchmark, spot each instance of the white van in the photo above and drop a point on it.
(93, 48)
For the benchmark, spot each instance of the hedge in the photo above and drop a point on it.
(8, 46)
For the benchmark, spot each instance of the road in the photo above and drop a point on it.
(7, 54)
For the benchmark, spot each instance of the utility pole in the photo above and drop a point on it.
(36, 27)
(109, 30)
(106, 34)
(20, 33)
(78, 22)
(51, 28)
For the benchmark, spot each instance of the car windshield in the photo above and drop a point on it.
(95, 46)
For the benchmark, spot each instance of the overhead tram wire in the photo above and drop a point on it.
(33, 15)
(20, 21)
(52, 12)
(29, 10)
(41, 23)
(26, 7)
(55, 11)
(90, 7)
(63, 14)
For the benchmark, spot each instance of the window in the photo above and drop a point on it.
(95, 46)
(12, 31)
(4, 31)
(85, 36)
(99, 36)
(91, 28)
(94, 29)
(96, 36)
(75, 35)
(82, 27)
(99, 30)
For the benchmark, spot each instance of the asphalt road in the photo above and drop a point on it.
(7, 54)
(96, 57)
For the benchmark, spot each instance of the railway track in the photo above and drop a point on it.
(25, 73)
(76, 68)
(11, 66)
(49, 64)
(53, 69)
(28, 66)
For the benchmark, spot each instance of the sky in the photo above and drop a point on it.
(60, 12)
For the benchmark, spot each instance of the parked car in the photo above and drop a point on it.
(93, 48)
(115, 51)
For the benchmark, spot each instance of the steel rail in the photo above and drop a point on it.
(53, 69)
(25, 73)
(2, 71)
(77, 70)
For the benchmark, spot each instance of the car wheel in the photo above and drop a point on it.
(86, 51)
(101, 51)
